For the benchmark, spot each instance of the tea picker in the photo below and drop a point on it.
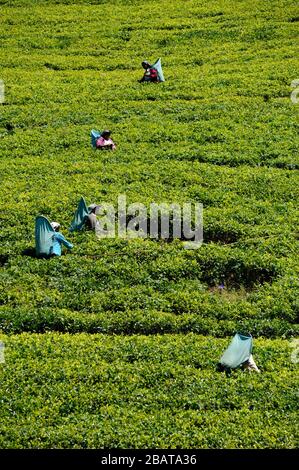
(152, 73)
(48, 239)
(102, 140)
(84, 216)
(239, 354)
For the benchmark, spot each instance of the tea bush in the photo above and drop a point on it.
(138, 392)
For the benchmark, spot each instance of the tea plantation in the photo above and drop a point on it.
(115, 344)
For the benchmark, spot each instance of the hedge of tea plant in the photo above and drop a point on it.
(222, 130)
(99, 391)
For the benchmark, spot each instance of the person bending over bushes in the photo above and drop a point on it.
(48, 240)
(58, 240)
(104, 142)
(91, 219)
(150, 73)
(238, 354)
(85, 217)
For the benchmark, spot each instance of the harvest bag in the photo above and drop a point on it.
(44, 234)
(94, 137)
(237, 352)
(157, 66)
(80, 216)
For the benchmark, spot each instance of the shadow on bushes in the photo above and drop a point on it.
(32, 254)
(3, 259)
(248, 277)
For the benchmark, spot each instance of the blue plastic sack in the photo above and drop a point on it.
(44, 234)
(80, 216)
(157, 66)
(237, 352)
(94, 137)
